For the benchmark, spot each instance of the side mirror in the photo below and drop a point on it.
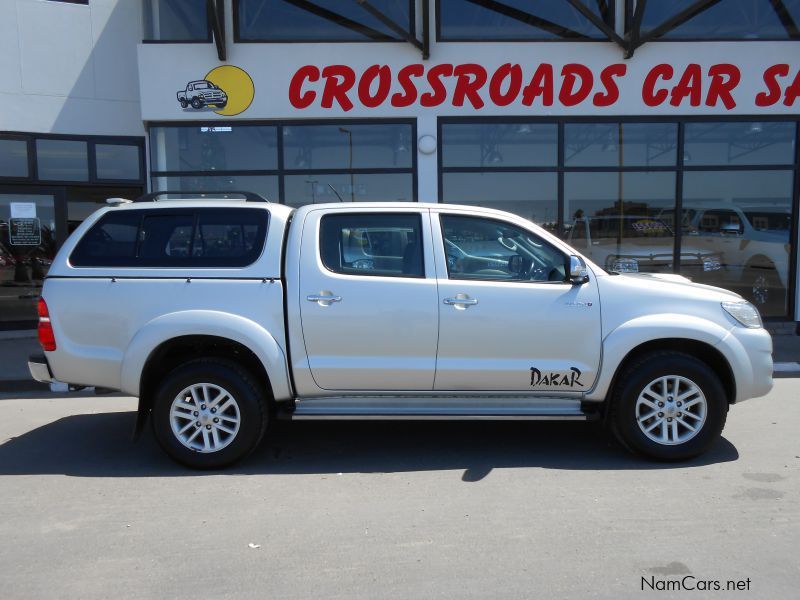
(578, 273)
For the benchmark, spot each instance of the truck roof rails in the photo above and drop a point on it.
(247, 196)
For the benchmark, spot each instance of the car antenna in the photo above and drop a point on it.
(335, 192)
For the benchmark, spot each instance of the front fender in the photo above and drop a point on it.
(620, 341)
(205, 322)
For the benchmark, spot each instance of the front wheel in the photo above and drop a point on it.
(668, 406)
(197, 103)
(209, 413)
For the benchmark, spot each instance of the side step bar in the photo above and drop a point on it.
(433, 408)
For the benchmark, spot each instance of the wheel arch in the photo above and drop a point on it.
(688, 334)
(700, 350)
(205, 331)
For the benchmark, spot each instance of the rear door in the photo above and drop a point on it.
(368, 300)
(510, 320)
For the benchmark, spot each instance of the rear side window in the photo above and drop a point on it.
(388, 245)
(196, 238)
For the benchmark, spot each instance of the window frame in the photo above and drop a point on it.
(209, 39)
(282, 171)
(629, 21)
(602, 37)
(389, 213)
(680, 168)
(91, 141)
(238, 39)
(184, 263)
(444, 214)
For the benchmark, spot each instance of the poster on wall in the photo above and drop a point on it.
(23, 210)
(25, 232)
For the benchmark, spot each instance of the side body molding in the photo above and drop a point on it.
(630, 334)
(205, 322)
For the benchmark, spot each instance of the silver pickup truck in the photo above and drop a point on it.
(222, 314)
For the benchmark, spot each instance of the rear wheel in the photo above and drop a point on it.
(668, 406)
(184, 103)
(209, 413)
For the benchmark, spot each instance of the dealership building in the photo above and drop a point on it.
(654, 136)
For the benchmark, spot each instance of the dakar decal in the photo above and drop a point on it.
(555, 379)
(226, 90)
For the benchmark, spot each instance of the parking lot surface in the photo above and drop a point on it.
(395, 510)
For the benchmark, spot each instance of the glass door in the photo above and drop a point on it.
(28, 243)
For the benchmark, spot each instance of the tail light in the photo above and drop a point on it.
(46, 336)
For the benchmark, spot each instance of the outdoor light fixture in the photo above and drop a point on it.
(426, 144)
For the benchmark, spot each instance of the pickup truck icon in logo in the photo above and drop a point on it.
(202, 93)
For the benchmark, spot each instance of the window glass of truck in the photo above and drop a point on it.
(487, 249)
(388, 245)
(200, 238)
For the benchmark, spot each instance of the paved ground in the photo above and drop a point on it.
(407, 511)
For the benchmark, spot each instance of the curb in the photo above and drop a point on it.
(22, 385)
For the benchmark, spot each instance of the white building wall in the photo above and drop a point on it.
(70, 68)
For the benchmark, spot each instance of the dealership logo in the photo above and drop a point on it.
(226, 90)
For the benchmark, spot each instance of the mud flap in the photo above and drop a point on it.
(141, 418)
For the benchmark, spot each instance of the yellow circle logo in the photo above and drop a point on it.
(238, 87)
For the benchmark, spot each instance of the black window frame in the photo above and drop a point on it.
(635, 34)
(443, 215)
(238, 39)
(92, 141)
(191, 262)
(207, 40)
(281, 172)
(365, 273)
(680, 168)
(602, 36)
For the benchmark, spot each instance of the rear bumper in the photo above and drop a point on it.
(40, 368)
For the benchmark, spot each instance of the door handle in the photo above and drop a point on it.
(460, 301)
(323, 299)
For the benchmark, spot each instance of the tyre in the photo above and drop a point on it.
(222, 105)
(184, 103)
(197, 103)
(209, 413)
(668, 406)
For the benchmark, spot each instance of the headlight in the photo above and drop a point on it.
(625, 265)
(744, 312)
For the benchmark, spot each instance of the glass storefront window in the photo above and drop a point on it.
(315, 188)
(347, 146)
(117, 162)
(176, 20)
(13, 158)
(728, 19)
(214, 148)
(620, 144)
(533, 196)
(62, 160)
(27, 248)
(265, 185)
(499, 145)
(617, 220)
(744, 217)
(739, 143)
(519, 20)
(319, 21)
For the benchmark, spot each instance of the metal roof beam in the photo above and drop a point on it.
(530, 19)
(216, 18)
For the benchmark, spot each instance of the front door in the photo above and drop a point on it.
(510, 320)
(368, 300)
